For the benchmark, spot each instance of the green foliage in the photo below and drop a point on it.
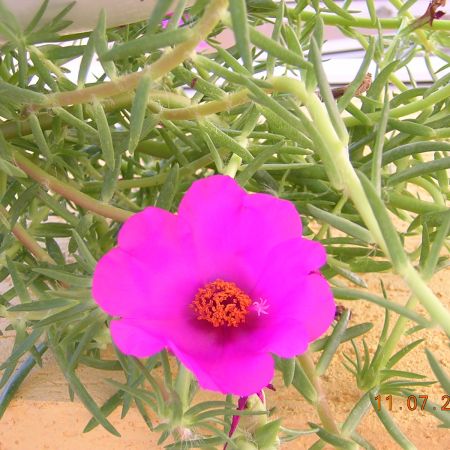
(74, 156)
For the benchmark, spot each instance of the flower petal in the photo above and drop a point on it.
(230, 374)
(292, 258)
(306, 299)
(318, 313)
(265, 222)
(286, 339)
(126, 286)
(218, 365)
(152, 233)
(211, 208)
(286, 263)
(235, 231)
(294, 290)
(132, 339)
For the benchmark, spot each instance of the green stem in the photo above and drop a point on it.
(405, 110)
(69, 192)
(46, 62)
(171, 59)
(204, 109)
(26, 239)
(336, 211)
(321, 404)
(343, 171)
(233, 166)
(363, 22)
(183, 385)
(431, 188)
(438, 312)
(413, 204)
(157, 180)
(336, 161)
(400, 326)
(355, 192)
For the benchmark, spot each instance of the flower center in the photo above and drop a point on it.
(221, 303)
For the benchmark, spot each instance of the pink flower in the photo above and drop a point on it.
(223, 284)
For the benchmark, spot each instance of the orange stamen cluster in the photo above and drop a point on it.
(221, 303)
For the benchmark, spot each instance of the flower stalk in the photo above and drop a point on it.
(321, 403)
(183, 385)
(233, 166)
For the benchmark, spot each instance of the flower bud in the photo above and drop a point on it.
(251, 423)
(243, 444)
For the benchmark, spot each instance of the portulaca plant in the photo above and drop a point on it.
(201, 216)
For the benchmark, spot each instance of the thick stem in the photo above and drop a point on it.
(204, 109)
(336, 159)
(363, 22)
(233, 166)
(69, 192)
(322, 407)
(183, 385)
(343, 171)
(406, 110)
(438, 312)
(171, 59)
(355, 192)
(12, 129)
(182, 111)
(27, 240)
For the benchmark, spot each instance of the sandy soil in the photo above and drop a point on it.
(42, 417)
